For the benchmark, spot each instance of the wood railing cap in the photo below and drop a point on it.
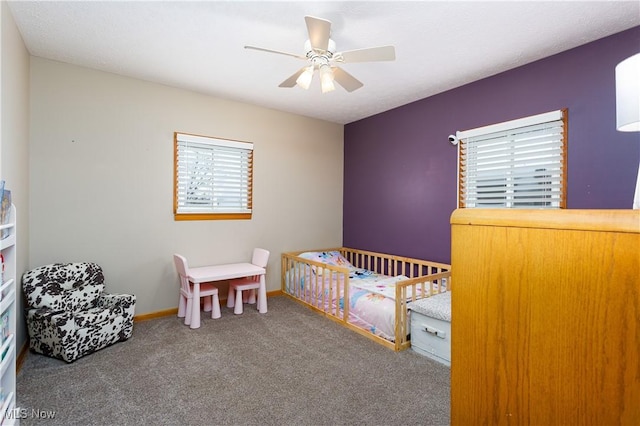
(627, 221)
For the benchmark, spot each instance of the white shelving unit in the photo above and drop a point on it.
(8, 321)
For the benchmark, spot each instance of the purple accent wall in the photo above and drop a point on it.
(400, 172)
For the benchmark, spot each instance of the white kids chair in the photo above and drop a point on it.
(251, 284)
(186, 302)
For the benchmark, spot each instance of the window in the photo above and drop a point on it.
(213, 178)
(516, 164)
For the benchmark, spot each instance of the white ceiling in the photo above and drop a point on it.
(199, 45)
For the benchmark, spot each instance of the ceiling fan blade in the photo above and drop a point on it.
(275, 51)
(371, 54)
(291, 81)
(319, 32)
(346, 80)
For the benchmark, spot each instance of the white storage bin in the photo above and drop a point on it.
(431, 327)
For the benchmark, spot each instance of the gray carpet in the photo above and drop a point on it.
(290, 366)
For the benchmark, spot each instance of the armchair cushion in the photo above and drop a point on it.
(92, 317)
(64, 286)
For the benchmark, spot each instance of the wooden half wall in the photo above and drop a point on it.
(545, 317)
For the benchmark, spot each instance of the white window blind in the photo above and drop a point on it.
(213, 176)
(516, 164)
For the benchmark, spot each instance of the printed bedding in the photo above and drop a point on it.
(372, 296)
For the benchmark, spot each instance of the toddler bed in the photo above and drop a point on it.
(377, 286)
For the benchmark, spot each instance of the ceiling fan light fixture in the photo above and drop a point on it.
(328, 86)
(320, 52)
(304, 79)
(326, 79)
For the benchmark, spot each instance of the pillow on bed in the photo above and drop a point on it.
(333, 258)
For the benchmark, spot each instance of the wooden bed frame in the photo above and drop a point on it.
(423, 275)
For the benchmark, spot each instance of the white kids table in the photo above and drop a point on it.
(227, 271)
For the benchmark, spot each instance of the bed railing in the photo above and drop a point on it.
(410, 290)
(318, 278)
(324, 283)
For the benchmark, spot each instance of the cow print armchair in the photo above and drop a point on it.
(69, 316)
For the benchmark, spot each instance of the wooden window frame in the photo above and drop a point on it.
(514, 125)
(211, 215)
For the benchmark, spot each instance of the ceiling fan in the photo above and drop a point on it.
(320, 54)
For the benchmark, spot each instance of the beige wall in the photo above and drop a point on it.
(101, 170)
(14, 138)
